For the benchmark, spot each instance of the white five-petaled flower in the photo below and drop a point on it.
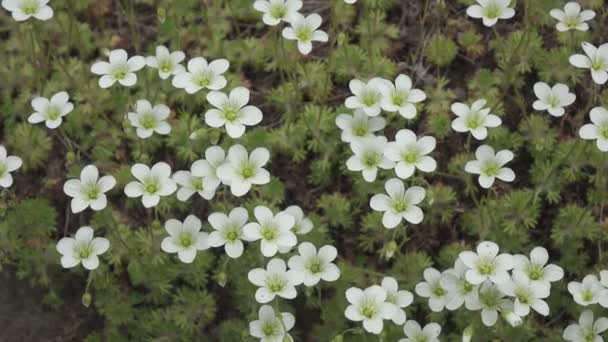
(305, 30)
(83, 248)
(274, 281)
(474, 119)
(185, 238)
(228, 231)
(487, 264)
(89, 190)
(276, 11)
(303, 224)
(22, 10)
(232, 111)
(527, 295)
(399, 298)
(241, 169)
(167, 63)
(400, 97)
(200, 179)
(148, 120)
(433, 289)
(489, 166)
(201, 75)
(459, 289)
(587, 328)
(490, 301)
(596, 59)
(398, 203)
(598, 128)
(369, 306)
(151, 183)
(121, 68)
(315, 265)
(369, 156)
(51, 111)
(415, 333)
(410, 153)
(491, 10)
(553, 99)
(589, 291)
(367, 96)
(359, 125)
(8, 164)
(274, 231)
(535, 268)
(270, 327)
(572, 18)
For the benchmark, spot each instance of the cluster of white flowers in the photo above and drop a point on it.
(303, 29)
(377, 303)
(494, 283)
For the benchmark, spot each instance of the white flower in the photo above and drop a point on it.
(242, 170)
(303, 224)
(433, 289)
(399, 204)
(587, 329)
(369, 306)
(232, 111)
(399, 298)
(490, 11)
(121, 68)
(185, 238)
(553, 99)
(51, 111)
(350, 1)
(167, 63)
(571, 18)
(270, 327)
(368, 157)
(527, 295)
(367, 96)
(202, 75)
(228, 231)
(359, 125)
(596, 60)
(22, 10)
(400, 97)
(489, 166)
(587, 292)
(276, 11)
(89, 190)
(598, 129)
(201, 179)
(274, 281)
(274, 231)
(459, 289)
(152, 183)
(536, 269)
(414, 333)
(490, 301)
(475, 119)
(304, 30)
(487, 264)
(410, 153)
(215, 157)
(149, 120)
(313, 265)
(8, 164)
(83, 248)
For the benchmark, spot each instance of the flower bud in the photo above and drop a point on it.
(467, 334)
(222, 279)
(511, 317)
(86, 299)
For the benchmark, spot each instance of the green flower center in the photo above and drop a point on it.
(490, 168)
(523, 295)
(275, 283)
(151, 185)
(120, 71)
(391, 298)
(599, 64)
(535, 272)
(571, 21)
(489, 298)
(553, 101)
(53, 112)
(314, 265)
(3, 169)
(371, 159)
(197, 183)
(304, 33)
(247, 170)
(368, 310)
(83, 251)
(467, 287)
(204, 78)
(603, 130)
(437, 290)
(278, 11)
(30, 7)
(165, 65)
(421, 338)
(360, 130)
(270, 232)
(91, 191)
(148, 121)
(269, 328)
(231, 112)
(399, 98)
(474, 121)
(410, 157)
(589, 335)
(186, 239)
(587, 295)
(492, 11)
(485, 267)
(400, 205)
(370, 98)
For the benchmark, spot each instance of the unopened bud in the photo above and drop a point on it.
(161, 14)
(86, 299)
(511, 317)
(467, 334)
(338, 338)
(222, 279)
